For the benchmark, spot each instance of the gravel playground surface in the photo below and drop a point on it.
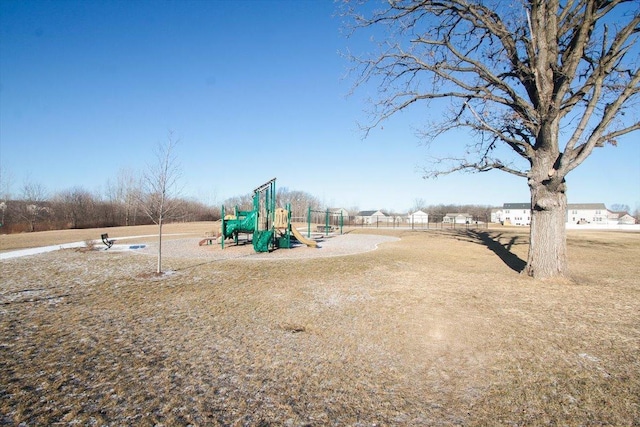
(328, 246)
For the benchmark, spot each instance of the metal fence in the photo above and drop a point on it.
(438, 222)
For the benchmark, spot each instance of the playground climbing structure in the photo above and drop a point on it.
(270, 226)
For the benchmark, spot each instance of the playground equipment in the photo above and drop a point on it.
(327, 227)
(270, 227)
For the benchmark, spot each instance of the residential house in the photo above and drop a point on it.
(623, 218)
(371, 217)
(516, 214)
(497, 215)
(577, 213)
(588, 213)
(457, 218)
(336, 214)
(339, 211)
(396, 219)
(418, 217)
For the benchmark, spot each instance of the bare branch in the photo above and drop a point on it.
(512, 74)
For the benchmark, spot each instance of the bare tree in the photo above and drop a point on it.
(539, 83)
(5, 192)
(125, 192)
(620, 207)
(419, 204)
(300, 201)
(244, 202)
(160, 189)
(77, 207)
(33, 208)
(5, 183)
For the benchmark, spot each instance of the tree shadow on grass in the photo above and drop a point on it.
(503, 251)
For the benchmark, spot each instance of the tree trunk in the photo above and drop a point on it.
(159, 269)
(548, 248)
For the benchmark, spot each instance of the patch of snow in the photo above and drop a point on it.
(44, 249)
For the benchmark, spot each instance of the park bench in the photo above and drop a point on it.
(325, 228)
(108, 242)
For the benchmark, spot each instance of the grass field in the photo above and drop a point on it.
(434, 329)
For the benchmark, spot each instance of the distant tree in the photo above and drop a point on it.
(33, 207)
(619, 207)
(159, 198)
(539, 84)
(3, 209)
(194, 210)
(419, 205)
(77, 207)
(125, 193)
(300, 201)
(5, 183)
(243, 203)
(5, 194)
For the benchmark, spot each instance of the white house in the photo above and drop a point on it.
(623, 218)
(371, 217)
(338, 211)
(577, 213)
(587, 213)
(457, 218)
(516, 214)
(418, 217)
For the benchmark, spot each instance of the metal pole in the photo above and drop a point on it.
(235, 238)
(222, 229)
(309, 222)
(326, 223)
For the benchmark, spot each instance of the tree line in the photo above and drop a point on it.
(78, 208)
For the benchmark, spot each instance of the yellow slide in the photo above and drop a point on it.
(302, 239)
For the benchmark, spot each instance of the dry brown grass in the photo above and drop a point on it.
(435, 329)
(47, 238)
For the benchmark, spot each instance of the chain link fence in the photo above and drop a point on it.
(434, 222)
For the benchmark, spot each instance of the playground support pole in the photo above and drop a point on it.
(309, 222)
(222, 229)
(326, 223)
(235, 238)
(341, 221)
(287, 233)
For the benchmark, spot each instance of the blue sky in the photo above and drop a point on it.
(253, 90)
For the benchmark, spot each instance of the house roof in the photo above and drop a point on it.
(586, 206)
(517, 205)
(620, 213)
(366, 213)
(458, 214)
(569, 206)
